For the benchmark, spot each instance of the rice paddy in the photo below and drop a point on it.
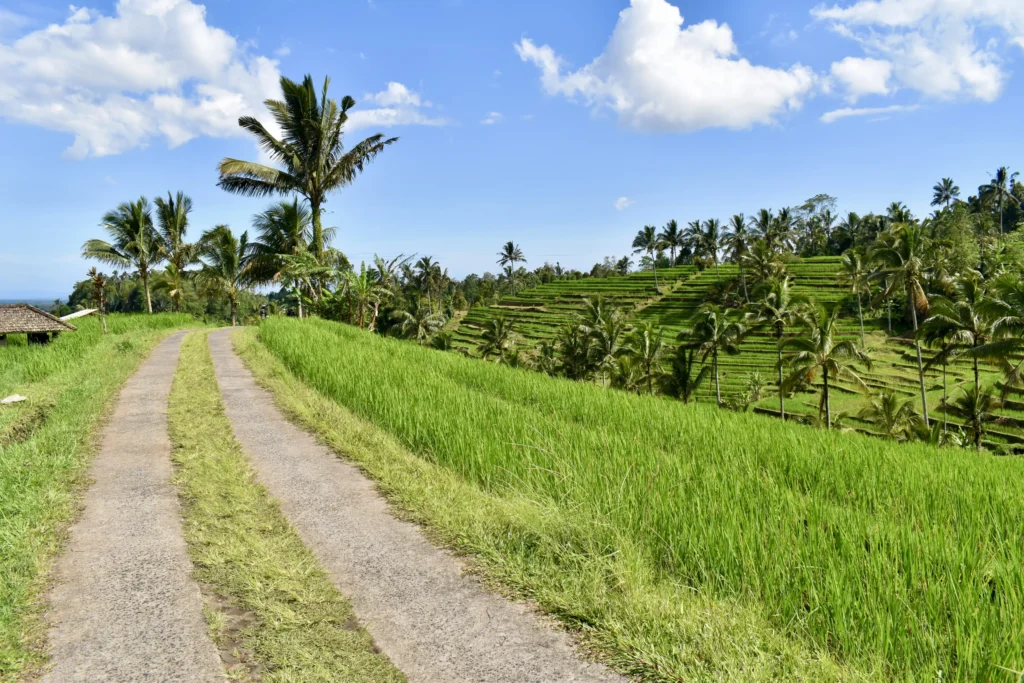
(898, 562)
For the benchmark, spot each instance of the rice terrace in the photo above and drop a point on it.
(641, 340)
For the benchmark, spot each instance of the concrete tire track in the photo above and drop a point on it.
(432, 621)
(124, 607)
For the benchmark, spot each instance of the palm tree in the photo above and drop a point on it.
(134, 242)
(854, 274)
(647, 242)
(764, 264)
(605, 342)
(497, 336)
(780, 310)
(945, 192)
(311, 151)
(820, 349)
(172, 219)
(713, 332)
(737, 241)
(903, 257)
(575, 359)
(684, 378)
(977, 407)
(672, 238)
(646, 346)
(225, 264)
(98, 283)
(420, 322)
(509, 256)
(284, 229)
(711, 239)
(893, 416)
(1002, 187)
(298, 270)
(964, 324)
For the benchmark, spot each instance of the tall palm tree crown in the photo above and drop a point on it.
(225, 264)
(945, 193)
(1002, 187)
(854, 273)
(134, 242)
(737, 240)
(713, 332)
(672, 238)
(172, 218)
(311, 152)
(510, 255)
(647, 242)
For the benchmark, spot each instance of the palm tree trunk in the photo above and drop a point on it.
(860, 314)
(888, 309)
(145, 285)
(920, 364)
(376, 312)
(828, 403)
(782, 394)
(718, 385)
(234, 320)
(976, 380)
(298, 298)
(945, 414)
(654, 262)
(743, 279)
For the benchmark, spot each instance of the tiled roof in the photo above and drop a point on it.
(21, 318)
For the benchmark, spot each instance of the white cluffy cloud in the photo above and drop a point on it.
(658, 76)
(863, 76)
(932, 46)
(833, 116)
(396, 106)
(623, 203)
(154, 70)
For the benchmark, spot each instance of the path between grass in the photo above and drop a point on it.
(125, 607)
(435, 623)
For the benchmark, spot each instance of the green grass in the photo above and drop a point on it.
(901, 562)
(45, 447)
(297, 626)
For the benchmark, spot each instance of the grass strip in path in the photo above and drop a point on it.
(271, 607)
(561, 559)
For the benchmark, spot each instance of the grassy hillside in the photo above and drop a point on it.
(898, 562)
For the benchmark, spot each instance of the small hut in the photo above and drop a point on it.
(39, 325)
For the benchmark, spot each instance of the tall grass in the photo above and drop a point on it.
(909, 556)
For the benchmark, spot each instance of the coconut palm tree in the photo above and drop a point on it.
(820, 349)
(575, 358)
(963, 324)
(509, 256)
(311, 152)
(299, 271)
(98, 283)
(945, 193)
(225, 261)
(671, 237)
(736, 240)
(713, 332)
(645, 345)
(419, 322)
(684, 378)
(172, 220)
(977, 407)
(763, 264)
(134, 242)
(647, 242)
(779, 311)
(606, 344)
(893, 416)
(903, 258)
(855, 274)
(711, 240)
(1002, 187)
(498, 336)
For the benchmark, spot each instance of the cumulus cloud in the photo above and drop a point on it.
(623, 203)
(863, 76)
(397, 106)
(493, 118)
(833, 116)
(933, 45)
(658, 76)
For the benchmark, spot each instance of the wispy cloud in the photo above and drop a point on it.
(833, 116)
(493, 118)
(623, 203)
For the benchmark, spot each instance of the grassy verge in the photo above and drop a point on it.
(596, 582)
(46, 444)
(271, 608)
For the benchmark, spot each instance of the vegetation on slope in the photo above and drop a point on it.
(904, 562)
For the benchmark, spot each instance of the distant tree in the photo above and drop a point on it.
(225, 260)
(978, 408)
(819, 348)
(99, 283)
(672, 238)
(894, 417)
(509, 256)
(646, 347)
(1002, 187)
(779, 312)
(311, 152)
(497, 337)
(686, 374)
(419, 321)
(623, 265)
(945, 193)
(714, 332)
(711, 240)
(575, 357)
(763, 264)
(172, 218)
(855, 274)
(134, 242)
(647, 242)
(736, 240)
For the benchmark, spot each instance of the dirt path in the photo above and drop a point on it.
(124, 606)
(434, 623)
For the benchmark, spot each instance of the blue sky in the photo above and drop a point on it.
(564, 126)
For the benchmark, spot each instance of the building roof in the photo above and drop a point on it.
(79, 314)
(23, 318)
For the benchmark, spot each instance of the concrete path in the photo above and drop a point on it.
(125, 607)
(434, 623)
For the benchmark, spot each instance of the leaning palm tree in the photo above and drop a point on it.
(945, 193)
(172, 219)
(645, 346)
(893, 416)
(978, 408)
(647, 242)
(134, 242)
(714, 332)
(225, 260)
(672, 238)
(311, 153)
(510, 255)
(854, 273)
(903, 255)
(820, 349)
(737, 240)
(1002, 187)
(779, 311)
